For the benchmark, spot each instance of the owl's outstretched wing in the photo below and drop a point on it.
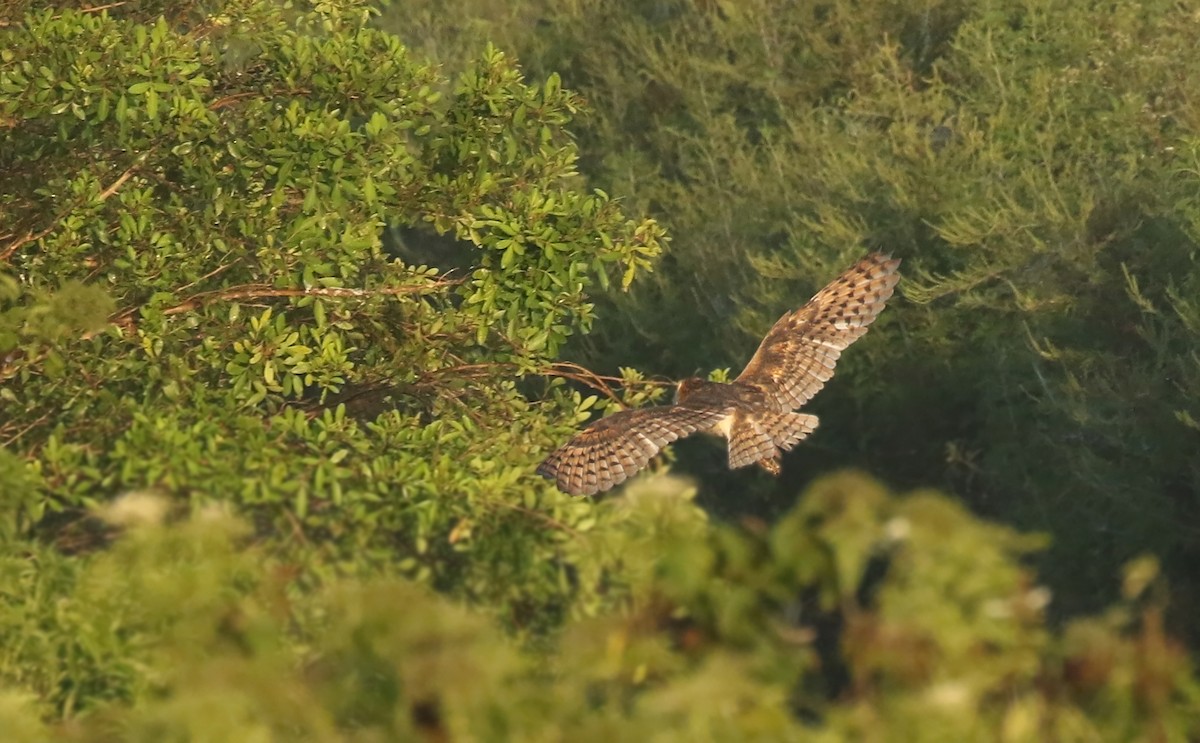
(797, 357)
(614, 448)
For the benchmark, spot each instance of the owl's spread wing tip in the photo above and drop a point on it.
(798, 355)
(549, 469)
(877, 266)
(612, 449)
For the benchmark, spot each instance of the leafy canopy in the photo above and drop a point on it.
(276, 303)
(208, 219)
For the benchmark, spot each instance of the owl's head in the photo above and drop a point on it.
(688, 387)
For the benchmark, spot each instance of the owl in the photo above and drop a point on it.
(757, 412)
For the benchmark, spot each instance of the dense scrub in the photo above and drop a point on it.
(1035, 164)
(283, 308)
(859, 616)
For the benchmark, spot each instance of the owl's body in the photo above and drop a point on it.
(756, 411)
(755, 428)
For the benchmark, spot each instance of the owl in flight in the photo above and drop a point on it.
(756, 411)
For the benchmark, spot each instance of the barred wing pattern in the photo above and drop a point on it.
(798, 355)
(755, 411)
(615, 448)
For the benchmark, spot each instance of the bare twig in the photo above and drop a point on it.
(124, 318)
(120, 181)
(261, 291)
(599, 382)
(16, 436)
(30, 236)
(98, 8)
(219, 269)
(229, 100)
(257, 291)
(93, 9)
(565, 369)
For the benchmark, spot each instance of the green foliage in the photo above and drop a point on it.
(281, 314)
(870, 615)
(207, 306)
(1035, 164)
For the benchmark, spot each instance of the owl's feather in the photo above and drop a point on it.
(614, 448)
(798, 355)
(754, 412)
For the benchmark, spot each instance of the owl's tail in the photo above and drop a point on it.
(788, 429)
(757, 438)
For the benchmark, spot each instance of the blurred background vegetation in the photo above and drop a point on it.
(293, 298)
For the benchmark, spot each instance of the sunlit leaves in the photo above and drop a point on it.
(210, 302)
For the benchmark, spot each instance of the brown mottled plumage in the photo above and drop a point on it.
(755, 411)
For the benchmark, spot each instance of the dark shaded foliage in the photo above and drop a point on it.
(1035, 166)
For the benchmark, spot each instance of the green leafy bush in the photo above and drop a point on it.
(278, 307)
(860, 615)
(230, 185)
